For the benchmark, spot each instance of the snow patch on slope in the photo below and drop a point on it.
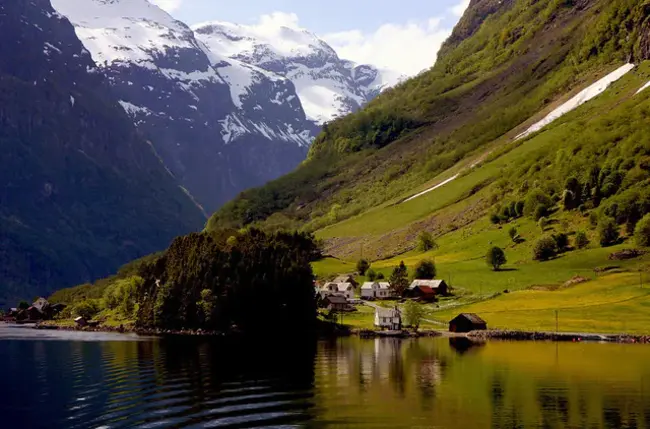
(584, 96)
(643, 88)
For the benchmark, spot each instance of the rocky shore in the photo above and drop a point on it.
(557, 336)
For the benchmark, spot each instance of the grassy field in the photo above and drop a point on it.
(611, 304)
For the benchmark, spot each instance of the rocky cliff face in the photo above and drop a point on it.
(80, 192)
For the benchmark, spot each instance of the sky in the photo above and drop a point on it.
(403, 35)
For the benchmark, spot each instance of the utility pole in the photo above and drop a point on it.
(557, 322)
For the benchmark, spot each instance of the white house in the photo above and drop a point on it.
(388, 318)
(376, 290)
(345, 289)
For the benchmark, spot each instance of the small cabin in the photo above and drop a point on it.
(336, 303)
(467, 322)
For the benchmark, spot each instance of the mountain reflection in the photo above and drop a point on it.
(348, 382)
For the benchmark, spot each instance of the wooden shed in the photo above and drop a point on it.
(467, 322)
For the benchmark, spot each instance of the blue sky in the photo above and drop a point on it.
(403, 35)
(319, 16)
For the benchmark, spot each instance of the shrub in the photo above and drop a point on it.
(362, 266)
(593, 219)
(496, 258)
(519, 208)
(535, 200)
(561, 241)
(426, 242)
(371, 274)
(495, 219)
(512, 232)
(425, 270)
(581, 240)
(381, 276)
(540, 212)
(544, 249)
(542, 223)
(607, 232)
(642, 232)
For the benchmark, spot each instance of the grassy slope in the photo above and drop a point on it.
(487, 81)
(593, 306)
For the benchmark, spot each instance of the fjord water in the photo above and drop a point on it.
(75, 380)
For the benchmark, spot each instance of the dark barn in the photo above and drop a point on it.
(467, 322)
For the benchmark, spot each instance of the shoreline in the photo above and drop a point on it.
(499, 335)
(513, 335)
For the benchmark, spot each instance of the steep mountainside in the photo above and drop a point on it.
(219, 125)
(506, 66)
(81, 193)
(328, 86)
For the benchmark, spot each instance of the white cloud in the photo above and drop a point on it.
(279, 19)
(408, 48)
(460, 8)
(168, 5)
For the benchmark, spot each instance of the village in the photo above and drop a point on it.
(40, 310)
(393, 312)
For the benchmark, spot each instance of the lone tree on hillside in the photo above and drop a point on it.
(363, 266)
(371, 274)
(496, 258)
(399, 279)
(413, 314)
(425, 270)
(426, 242)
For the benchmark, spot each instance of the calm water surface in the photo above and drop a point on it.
(76, 380)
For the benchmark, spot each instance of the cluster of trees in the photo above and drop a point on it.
(242, 280)
(509, 211)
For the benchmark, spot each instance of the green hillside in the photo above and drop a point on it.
(563, 203)
(506, 66)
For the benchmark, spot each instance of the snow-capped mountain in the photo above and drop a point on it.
(328, 86)
(226, 107)
(220, 125)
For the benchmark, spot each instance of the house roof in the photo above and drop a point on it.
(387, 312)
(434, 284)
(368, 285)
(472, 317)
(384, 285)
(40, 303)
(343, 287)
(337, 299)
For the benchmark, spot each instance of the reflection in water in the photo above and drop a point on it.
(423, 383)
(463, 344)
